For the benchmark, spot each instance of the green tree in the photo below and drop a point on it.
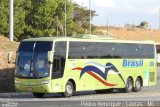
(46, 18)
(19, 17)
(144, 24)
(4, 20)
(20, 14)
(39, 19)
(42, 18)
(59, 17)
(81, 18)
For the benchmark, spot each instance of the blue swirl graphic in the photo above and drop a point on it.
(96, 70)
(114, 69)
(93, 69)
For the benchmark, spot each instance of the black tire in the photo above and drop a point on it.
(69, 89)
(138, 85)
(129, 85)
(38, 95)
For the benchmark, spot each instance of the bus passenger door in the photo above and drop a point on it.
(58, 67)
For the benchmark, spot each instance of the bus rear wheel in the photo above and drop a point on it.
(129, 85)
(69, 89)
(138, 85)
(38, 95)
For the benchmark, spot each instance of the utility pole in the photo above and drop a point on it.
(65, 29)
(90, 25)
(11, 21)
(150, 33)
(107, 27)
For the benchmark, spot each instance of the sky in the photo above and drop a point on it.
(121, 12)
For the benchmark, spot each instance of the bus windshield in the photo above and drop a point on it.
(32, 60)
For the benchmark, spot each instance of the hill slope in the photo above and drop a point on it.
(130, 34)
(6, 46)
(6, 70)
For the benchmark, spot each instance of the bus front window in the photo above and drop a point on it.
(24, 64)
(32, 60)
(41, 65)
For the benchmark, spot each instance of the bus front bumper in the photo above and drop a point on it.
(42, 87)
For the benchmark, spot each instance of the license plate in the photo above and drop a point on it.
(29, 88)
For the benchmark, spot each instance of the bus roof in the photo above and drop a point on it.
(96, 39)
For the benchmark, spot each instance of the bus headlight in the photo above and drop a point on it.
(45, 82)
(17, 82)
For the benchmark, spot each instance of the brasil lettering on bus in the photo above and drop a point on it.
(132, 63)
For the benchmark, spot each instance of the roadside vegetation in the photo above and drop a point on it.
(43, 18)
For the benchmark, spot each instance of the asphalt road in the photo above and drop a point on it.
(149, 96)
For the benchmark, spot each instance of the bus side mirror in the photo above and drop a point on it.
(10, 57)
(50, 56)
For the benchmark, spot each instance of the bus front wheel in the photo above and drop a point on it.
(38, 95)
(69, 89)
(129, 85)
(138, 85)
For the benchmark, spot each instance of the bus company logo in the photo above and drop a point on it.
(99, 72)
(132, 63)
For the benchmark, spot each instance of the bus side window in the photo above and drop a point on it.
(59, 60)
(56, 64)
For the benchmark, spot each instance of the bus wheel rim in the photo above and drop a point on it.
(69, 89)
(129, 85)
(138, 84)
